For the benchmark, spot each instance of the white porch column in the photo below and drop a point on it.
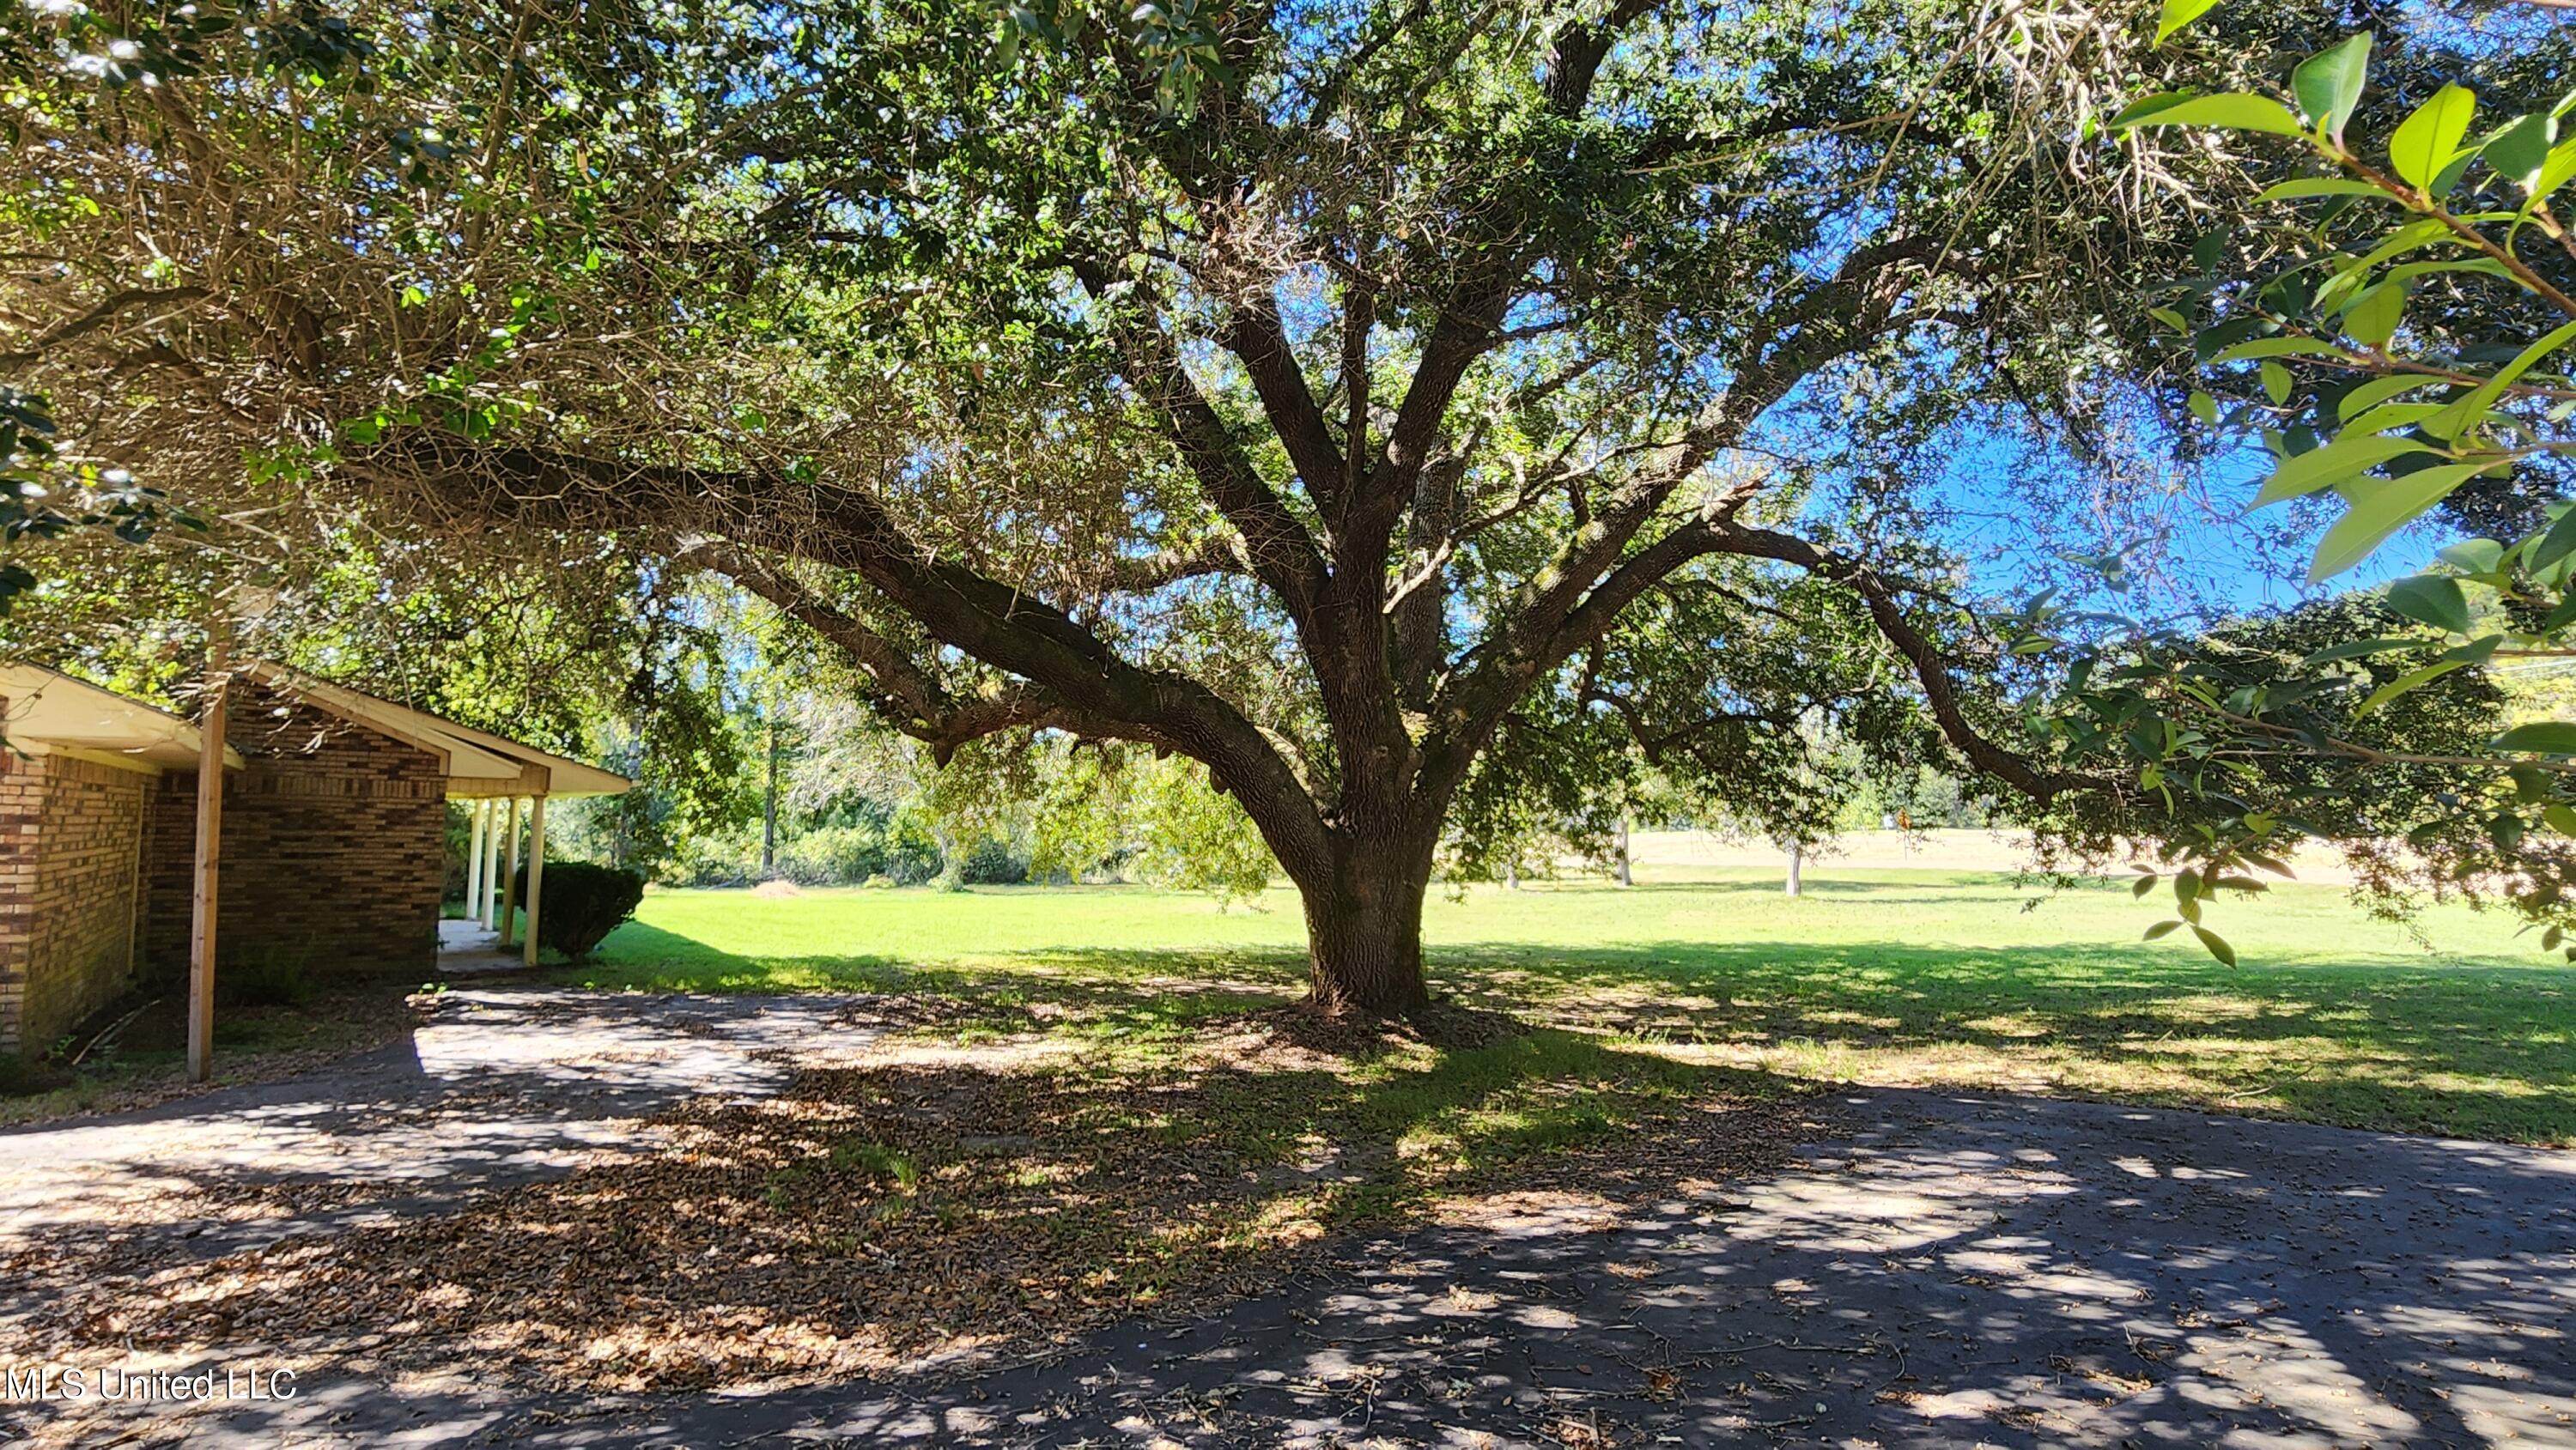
(510, 874)
(536, 873)
(491, 915)
(474, 858)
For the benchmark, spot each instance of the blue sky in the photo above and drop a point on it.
(2219, 557)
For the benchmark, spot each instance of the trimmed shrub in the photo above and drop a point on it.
(582, 904)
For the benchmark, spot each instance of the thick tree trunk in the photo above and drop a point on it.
(1364, 933)
(1797, 858)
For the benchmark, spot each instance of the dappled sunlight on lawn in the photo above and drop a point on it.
(1127, 1154)
(1886, 977)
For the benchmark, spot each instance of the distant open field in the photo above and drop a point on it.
(1892, 976)
(1679, 854)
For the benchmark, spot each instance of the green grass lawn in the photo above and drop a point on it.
(1897, 977)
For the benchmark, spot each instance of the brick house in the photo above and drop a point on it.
(334, 819)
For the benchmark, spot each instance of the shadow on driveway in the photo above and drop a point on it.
(497, 1088)
(1959, 1271)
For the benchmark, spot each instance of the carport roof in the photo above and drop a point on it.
(478, 762)
(48, 711)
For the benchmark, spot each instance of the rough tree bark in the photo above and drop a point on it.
(769, 804)
(1364, 932)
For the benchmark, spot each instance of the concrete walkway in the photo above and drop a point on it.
(471, 949)
(1958, 1272)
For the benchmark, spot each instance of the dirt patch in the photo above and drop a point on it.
(1952, 1269)
(904, 1011)
(1530, 1210)
(777, 890)
(142, 1067)
(1357, 1037)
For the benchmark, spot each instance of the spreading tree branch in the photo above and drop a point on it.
(840, 527)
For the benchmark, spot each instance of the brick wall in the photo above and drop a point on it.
(333, 846)
(169, 865)
(22, 814)
(72, 884)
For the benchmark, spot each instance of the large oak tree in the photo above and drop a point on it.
(1327, 392)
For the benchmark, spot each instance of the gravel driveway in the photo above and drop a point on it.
(1956, 1271)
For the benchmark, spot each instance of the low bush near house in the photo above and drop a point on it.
(582, 903)
(26, 1073)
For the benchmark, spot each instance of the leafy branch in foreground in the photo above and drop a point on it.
(2350, 403)
(44, 496)
(2311, 726)
(2312, 341)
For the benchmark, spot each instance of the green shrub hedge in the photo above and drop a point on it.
(582, 904)
(833, 856)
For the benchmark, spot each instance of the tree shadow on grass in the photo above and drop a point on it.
(975, 1198)
(2395, 1042)
(2481, 1051)
(1142, 990)
(1910, 887)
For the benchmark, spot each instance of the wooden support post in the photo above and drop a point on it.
(536, 872)
(510, 874)
(473, 857)
(209, 866)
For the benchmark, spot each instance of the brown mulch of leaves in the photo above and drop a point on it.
(909, 1010)
(909, 1214)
